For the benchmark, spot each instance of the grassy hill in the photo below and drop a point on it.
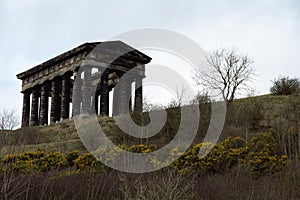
(245, 117)
(265, 167)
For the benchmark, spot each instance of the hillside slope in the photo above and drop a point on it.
(245, 117)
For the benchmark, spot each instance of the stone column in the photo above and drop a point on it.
(26, 109)
(138, 99)
(65, 95)
(76, 97)
(129, 92)
(116, 106)
(125, 94)
(95, 103)
(130, 104)
(86, 90)
(44, 105)
(56, 100)
(34, 108)
(104, 99)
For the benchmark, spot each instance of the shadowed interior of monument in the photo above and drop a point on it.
(83, 80)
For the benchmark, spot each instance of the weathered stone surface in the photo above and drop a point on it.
(56, 100)
(65, 96)
(44, 104)
(125, 96)
(77, 96)
(26, 109)
(104, 99)
(95, 103)
(87, 91)
(138, 100)
(61, 79)
(34, 107)
(116, 104)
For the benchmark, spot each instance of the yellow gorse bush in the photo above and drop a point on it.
(34, 160)
(258, 156)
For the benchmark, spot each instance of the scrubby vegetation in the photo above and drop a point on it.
(257, 157)
(230, 162)
(285, 86)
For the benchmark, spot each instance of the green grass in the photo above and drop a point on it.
(254, 113)
(245, 117)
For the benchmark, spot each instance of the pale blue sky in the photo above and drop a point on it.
(33, 31)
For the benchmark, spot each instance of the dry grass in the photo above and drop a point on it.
(163, 184)
(160, 185)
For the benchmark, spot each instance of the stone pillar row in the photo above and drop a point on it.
(84, 102)
(122, 99)
(59, 89)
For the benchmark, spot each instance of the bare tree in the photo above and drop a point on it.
(227, 73)
(178, 100)
(9, 119)
(149, 106)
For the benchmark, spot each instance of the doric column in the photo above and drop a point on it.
(138, 99)
(95, 103)
(104, 99)
(129, 92)
(86, 90)
(125, 94)
(116, 105)
(65, 95)
(76, 97)
(26, 109)
(44, 104)
(56, 100)
(130, 105)
(34, 108)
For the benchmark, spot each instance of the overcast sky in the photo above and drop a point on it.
(33, 31)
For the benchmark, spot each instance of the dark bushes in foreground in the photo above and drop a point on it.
(233, 169)
(163, 184)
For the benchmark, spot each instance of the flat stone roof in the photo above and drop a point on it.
(109, 46)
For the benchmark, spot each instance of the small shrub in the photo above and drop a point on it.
(52, 160)
(260, 163)
(34, 161)
(88, 161)
(285, 86)
(71, 156)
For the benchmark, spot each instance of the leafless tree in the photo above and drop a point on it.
(227, 73)
(179, 99)
(9, 119)
(150, 106)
